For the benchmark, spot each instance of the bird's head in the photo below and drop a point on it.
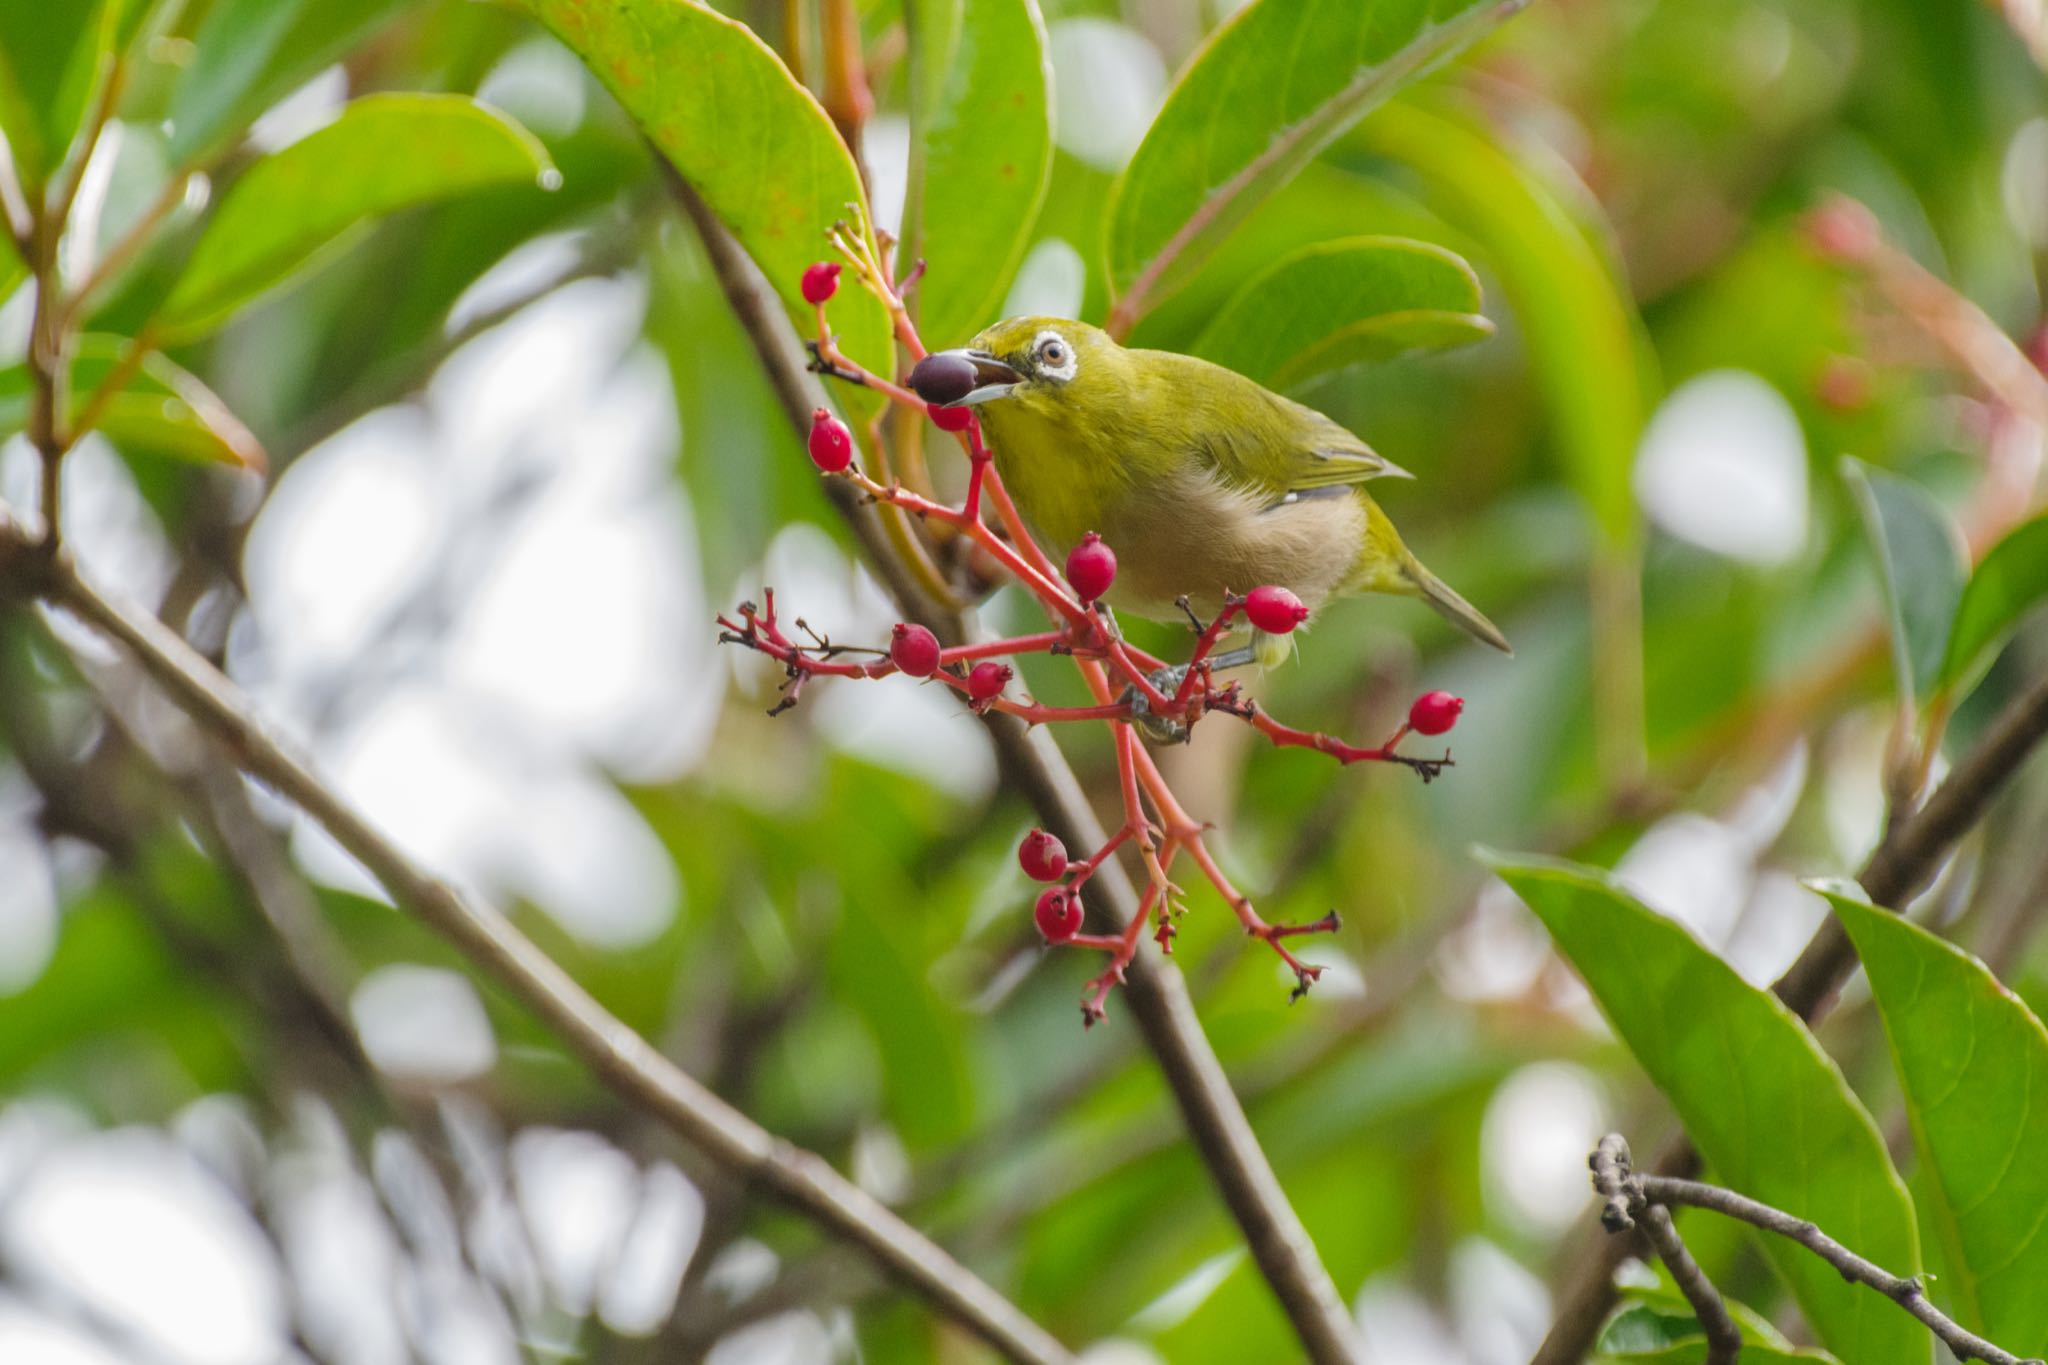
(1046, 363)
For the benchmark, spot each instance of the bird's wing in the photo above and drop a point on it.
(1252, 438)
(1333, 456)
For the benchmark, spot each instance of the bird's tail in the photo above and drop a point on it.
(1444, 600)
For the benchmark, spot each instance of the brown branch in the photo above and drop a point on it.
(1626, 1193)
(620, 1057)
(1910, 854)
(1033, 766)
(1626, 1207)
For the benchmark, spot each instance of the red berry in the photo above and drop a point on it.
(1091, 567)
(1058, 913)
(821, 281)
(1274, 610)
(988, 680)
(1843, 384)
(1843, 230)
(914, 649)
(1434, 713)
(831, 443)
(1042, 856)
(951, 419)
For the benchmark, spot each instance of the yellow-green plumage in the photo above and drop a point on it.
(1199, 478)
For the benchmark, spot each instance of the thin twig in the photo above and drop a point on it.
(1033, 766)
(1905, 1291)
(621, 1057)
(1627, 1193)
(1627, 1207)
(1911, 853)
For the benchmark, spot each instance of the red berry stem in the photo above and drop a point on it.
(1205, 645)
(1286, 736)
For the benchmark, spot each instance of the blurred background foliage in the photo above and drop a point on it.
(520, 452)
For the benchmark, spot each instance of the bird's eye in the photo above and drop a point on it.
(1053, 353)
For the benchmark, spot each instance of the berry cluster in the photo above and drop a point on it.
(1132, 689)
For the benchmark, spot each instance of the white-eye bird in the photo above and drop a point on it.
(1200, 479)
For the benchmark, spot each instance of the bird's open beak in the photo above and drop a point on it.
(992, 379)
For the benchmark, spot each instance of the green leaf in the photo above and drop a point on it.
(1583, 336)
(1765, 1105)
(1971, 1058)
(1693, 1351)
(1657, 1327)
(1272, 87)
(52, 57)
(1923, 562)
(983, 156)
(2011, 581)
(248, 54)
(1344, 303)
(721, 106)
(385, 153)
(163, 409)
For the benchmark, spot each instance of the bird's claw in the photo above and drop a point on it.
(1155, 727)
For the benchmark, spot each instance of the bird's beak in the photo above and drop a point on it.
(992, 379)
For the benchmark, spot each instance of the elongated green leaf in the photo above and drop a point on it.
(1581, 328)
(1764, 1104)
(1270, 89)
(2010, 582)
(162, 410)
(250, 53)
(1921, 556)
(983, 156)
(385, 153)
(1972, 1060)
(1344, 303)
(51, 56)
(721, 106)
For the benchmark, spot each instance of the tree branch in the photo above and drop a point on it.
(1626, 1193)
(1627, 1207)
(1910, 854)
(620, 1057)
(1033, 766)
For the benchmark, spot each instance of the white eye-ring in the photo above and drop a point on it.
(1056, 359)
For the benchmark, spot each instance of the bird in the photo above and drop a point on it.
(1202, 480)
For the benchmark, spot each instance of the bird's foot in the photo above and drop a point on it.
(1169, 679)
(1155, 727)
